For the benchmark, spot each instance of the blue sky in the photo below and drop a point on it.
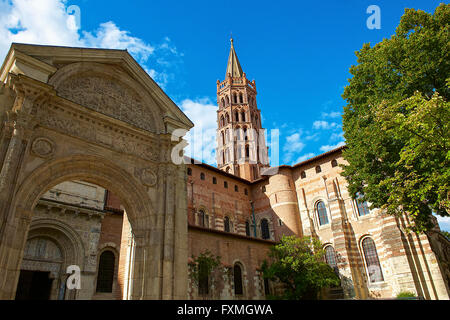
(298, 52)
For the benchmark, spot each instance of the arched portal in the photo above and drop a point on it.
(93, 115)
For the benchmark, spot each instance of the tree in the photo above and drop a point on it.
(446, 234)
(201, 269)
(396, 119)
(299, 264)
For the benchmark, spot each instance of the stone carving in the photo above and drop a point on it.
(74, 126)
(146, 176)
(106, 95)
(43, 147)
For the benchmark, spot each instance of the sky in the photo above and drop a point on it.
(298, 52)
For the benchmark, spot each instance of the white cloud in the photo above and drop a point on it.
(337, 136)
(292, 146)
(321, 124)
(333, 114)
(444, 223)
(47, 22)
(201, 138)
(331, 147)
(304, 157)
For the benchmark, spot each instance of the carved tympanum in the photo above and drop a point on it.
(108, 96)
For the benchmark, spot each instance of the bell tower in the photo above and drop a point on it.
(241, 146)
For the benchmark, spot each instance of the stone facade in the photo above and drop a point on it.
(86, 177)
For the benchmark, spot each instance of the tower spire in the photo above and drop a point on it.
(233, 66)
(241, 148)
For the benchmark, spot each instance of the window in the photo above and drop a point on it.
(265, 234)
(266, 287)
(322, 213)
(334, 163)
(237, 273)
(214, 180)
(241, 99)
(263, 188)
(303, 175)
(236, 188)
(189, 171)
(202, 176)
(246, 191)
(330, 257)
(225, 184)
(247, 228)
(280, 222)
(318, 170)
(363, 207)
(372, 262)
(105, 274)
(201, 218)
(203, 281)
(226, 224)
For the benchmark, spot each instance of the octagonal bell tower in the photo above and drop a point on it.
(241, 146)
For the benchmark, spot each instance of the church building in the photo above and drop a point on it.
(86, 181)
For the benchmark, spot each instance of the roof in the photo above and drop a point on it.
(230, 175)
(233, 66)
(45, 57)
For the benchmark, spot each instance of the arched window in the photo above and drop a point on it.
(105, 276)
(222, 121)
(247, 151)
(372, 261)
(222, 103)
(234, 98)
(322, 213)
(189, 171)
(241, 98)
(303, 175)
(363, 207)
(214, 180)
(245, 134)
(247, 227)
(227, 100)
(237, 275)
(223, 137)
(201, 218)
(202, 176)
(236, 116)
(203, 281)
(236, 188)
(227, 118)
(330, 257)
(334, 163)
(265, 234)
(226, 224)
(318, 170)
(243, 116)
(266, 287)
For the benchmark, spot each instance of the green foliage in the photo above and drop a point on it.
(406, 294)
(446, 234)
(203, 266)
(397, 117)
(298, 263)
